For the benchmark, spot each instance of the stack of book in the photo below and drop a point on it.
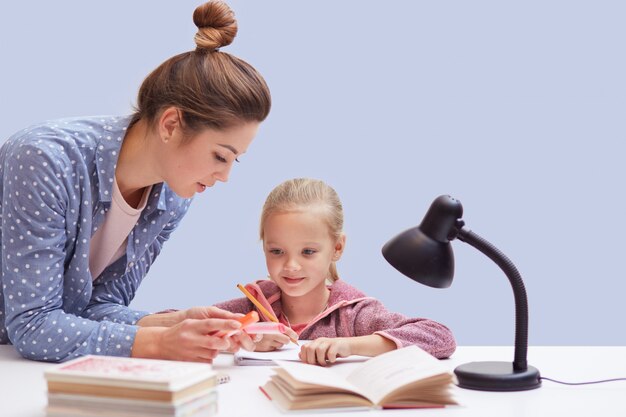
(129, 387)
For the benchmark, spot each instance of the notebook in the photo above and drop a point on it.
(288, 352)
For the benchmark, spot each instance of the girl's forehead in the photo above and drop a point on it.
(296, 225)
(314, 209)
(302, 217)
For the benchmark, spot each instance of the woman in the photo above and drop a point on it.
(87, 204)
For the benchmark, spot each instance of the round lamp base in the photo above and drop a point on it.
(496, 376)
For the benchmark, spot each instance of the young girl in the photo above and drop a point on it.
(301, 231)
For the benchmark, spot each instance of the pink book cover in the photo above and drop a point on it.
(130, 372)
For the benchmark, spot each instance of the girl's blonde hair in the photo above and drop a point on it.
(300, 194)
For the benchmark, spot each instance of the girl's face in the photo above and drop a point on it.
(299, 250)
(192, 165)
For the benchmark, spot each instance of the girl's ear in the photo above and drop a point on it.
(339, 247)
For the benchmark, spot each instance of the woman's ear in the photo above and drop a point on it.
(339, 247)
(169, 121)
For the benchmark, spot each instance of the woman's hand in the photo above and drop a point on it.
(170, 318)
(271, 342)
(190, 340)
(243, 340)
(325, 351)
(236, 341)
(193, 337)
(201, 313)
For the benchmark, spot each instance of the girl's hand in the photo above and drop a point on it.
(271, 342)
(325, 351)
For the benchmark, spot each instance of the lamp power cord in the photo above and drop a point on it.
(583, 383)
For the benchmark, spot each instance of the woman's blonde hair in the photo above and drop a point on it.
(210, 88)
(301, 194)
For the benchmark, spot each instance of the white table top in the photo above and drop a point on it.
(23, 389)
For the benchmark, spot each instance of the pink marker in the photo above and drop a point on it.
(265, 327)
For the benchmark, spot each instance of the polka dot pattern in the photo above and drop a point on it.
(56, 187)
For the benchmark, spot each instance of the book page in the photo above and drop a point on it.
(327, 402)
(385, 373)
(317, 375)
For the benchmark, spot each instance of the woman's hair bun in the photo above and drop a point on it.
(216, 23)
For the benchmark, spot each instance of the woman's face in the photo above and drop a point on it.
(195, 163)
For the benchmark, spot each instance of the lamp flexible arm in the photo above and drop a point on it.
(519, 292)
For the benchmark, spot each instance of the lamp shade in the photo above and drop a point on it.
(424, 253)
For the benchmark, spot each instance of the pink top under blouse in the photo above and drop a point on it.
(108, 244)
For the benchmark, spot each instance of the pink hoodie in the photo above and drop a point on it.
(351, 313)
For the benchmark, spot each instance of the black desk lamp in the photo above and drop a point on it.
(424, 254)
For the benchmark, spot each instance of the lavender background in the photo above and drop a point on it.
(516, 109)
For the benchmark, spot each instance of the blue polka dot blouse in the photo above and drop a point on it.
(56, 187)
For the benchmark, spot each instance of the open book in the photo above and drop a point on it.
(403, 378)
